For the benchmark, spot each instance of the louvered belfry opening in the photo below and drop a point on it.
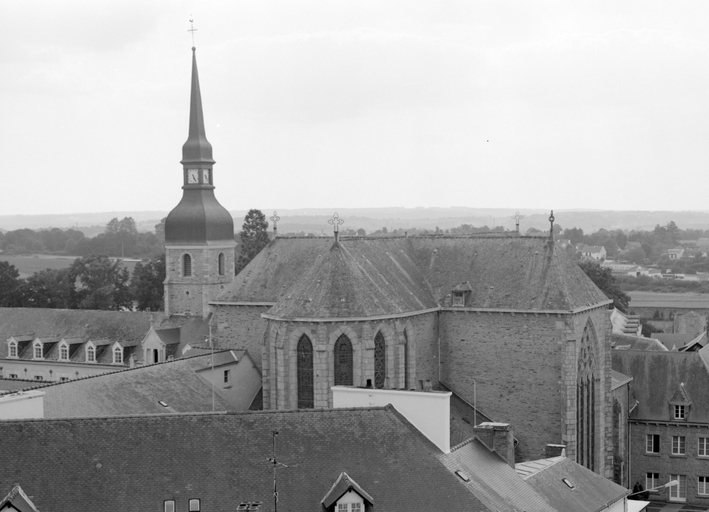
(306, 397)
(380, 363)
(343, 361)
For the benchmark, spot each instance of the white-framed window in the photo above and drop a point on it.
(652, 480)
(186, 265)
(63, 352)
(12, 352)
(90, 354)
(168, 506)
(652, 443)
(703, 447)
(458, 299)
(118, 355)
(678, 445)
(350, 507)
(679, 492)
(703, 485)
(38, 352)
(195, 505)
(680, 412)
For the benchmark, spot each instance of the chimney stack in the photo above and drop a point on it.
(499, 438)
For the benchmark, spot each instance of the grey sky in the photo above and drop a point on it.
(557, 105)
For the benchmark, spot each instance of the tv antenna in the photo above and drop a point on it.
(275, 463)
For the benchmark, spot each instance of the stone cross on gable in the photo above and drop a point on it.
(275, 218)
(517, 217)
(193, 30)
(335, 221)
(551, 230)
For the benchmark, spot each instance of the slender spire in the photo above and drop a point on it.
(197, 149)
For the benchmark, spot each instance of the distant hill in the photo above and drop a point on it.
(314, 220)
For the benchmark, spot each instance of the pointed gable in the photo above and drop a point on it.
(16, 500)
(343, 485)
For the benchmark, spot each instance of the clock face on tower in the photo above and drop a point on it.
(192, 176)
(205, 176)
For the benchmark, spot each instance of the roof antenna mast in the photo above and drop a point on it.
(275, 463)
(192, 30)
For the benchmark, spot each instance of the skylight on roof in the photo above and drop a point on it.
(568, 483)
(463, 476)
(162, 403)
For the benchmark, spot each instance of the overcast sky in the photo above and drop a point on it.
(338, 104)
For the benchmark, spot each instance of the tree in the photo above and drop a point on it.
(160, 230)
(9, 284)
(147, 284)
(50, 288)
(574, 234)
(104, 283)
(603, 278)
(254, 237)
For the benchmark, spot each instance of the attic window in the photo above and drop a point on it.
(458, 298)
(568, 483)
(64, 353)
(195, 505)
(464, 477)
(168, 506)
(680, 412)
(13, 349)
(90, 354)
(38, 350)
(118, 355)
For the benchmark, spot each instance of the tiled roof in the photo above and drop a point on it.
(222, 460)
(135, 391)
(591, 491)
(72, 323)
(656, 378)
(628, 342)
(674, 341)
(312, 277)
(668, 300)
(618, 379)
(492, 480)
(343, 484)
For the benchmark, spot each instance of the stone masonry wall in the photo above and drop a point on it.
(239, 327)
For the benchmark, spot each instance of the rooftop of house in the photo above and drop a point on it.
(629, 342)
(361, 277)
(221, 459)
(161, 388)
(16, 500)
(618, 379)
(675, 341)
(669, 300)
(570, 486)
(658, 377)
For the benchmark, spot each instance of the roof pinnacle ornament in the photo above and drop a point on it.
(192, 30)
(517, 217)
(335, 221)
(551, 230)
(275, 218)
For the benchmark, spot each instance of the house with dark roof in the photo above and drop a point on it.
(668, 422)
(17, 501)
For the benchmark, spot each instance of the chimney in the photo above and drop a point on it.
(499, 438)
(555, 450)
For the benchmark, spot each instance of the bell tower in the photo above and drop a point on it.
(199, 232)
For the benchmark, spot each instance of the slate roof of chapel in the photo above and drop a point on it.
(221, 459)
(74, 323)
(361, 277)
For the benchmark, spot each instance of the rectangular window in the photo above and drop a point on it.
(38, 377)
(63, 379)
(679, 492)
(703, 447)
(458, 299)
(226, 376)
(342, 507)
(64, 353)
(13, 375)
(678, 446)
(680, 413)
(168, 506)
(703, 485)
(91, 355)
(652, 443)
(38, 351)
(13, 350)
(356, 507)
(652, 480)
(195, 505)
(118, 356)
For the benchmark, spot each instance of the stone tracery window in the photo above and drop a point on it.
(343, 361)
(380, 362)
(306, 399)
(586, 383)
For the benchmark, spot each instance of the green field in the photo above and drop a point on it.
(28, 265)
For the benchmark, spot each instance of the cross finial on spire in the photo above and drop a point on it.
(193, 30)
(517, 217)
(275, 218)
(335, 221)
(551, 230)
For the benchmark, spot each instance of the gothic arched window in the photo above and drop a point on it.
(586, 399)
(221, 263)
(186, 265)
(380, 361)
(306, 398)
(343, 361)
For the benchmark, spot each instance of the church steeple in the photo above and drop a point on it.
(197, 149)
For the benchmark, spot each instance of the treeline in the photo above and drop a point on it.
(91, 282)
(119, 239)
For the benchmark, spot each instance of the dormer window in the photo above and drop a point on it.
(63, 353)
(90, 354)
(12, 352)
(680, 412)
(38, 353)
(118, 355)
(460, 294)
(458, 299)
